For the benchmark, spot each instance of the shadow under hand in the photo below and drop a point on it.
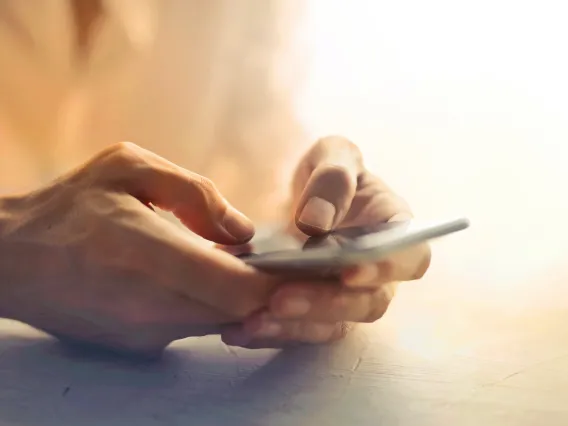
(43, 382)
(198, 380)
(293, 388)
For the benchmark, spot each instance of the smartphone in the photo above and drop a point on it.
(326, 256)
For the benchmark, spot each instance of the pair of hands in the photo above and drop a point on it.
(87, 259)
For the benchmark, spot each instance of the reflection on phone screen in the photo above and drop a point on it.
(343, 237)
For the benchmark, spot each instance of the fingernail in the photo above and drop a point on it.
(363, 275)
(238, 225)
(295, 306)
(269, 329)
(318, 213)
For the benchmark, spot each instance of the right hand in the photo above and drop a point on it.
(85, 259)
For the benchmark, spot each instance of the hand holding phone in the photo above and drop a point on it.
(326, 256)
(339, 283)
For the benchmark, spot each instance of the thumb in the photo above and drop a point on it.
(334, 166)
(192, 198)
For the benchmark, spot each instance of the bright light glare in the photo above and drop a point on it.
(462, 107)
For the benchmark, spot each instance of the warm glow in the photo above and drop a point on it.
(463, 108)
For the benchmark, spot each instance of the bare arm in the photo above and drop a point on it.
(86, 260)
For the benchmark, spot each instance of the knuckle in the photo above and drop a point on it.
(337, 141)
(124, 147)
(379, 304)
(205, 185)
(205, 189)
(340, 144)
(117, 163)
(340, 303)
(123, 154)
(424, 263)
(387, 269)
(384, 205)
(112, 162)
(336, 176)
(341, 330)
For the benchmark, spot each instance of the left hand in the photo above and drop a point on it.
(331, 188)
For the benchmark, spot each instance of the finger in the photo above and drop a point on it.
(334, 165)
(161, 253)
(375, 202)
(296, 333)
(218, 280)
(236, 250)
(330, 303)
(407, 265)
(192, 198)
(256, 333)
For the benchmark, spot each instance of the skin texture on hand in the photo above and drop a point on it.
(86, 260)
(332, 189)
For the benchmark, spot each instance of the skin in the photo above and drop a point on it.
(87, 260)
(333, 172)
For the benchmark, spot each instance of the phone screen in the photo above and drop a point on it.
(282, 243)
(343, 237)
(327, 255)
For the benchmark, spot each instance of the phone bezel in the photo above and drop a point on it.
(368, 248)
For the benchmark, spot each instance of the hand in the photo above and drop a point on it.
(331, 189)
(86, 260)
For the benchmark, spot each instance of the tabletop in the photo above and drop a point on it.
(425, 363)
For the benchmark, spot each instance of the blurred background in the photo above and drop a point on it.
(462, 107)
